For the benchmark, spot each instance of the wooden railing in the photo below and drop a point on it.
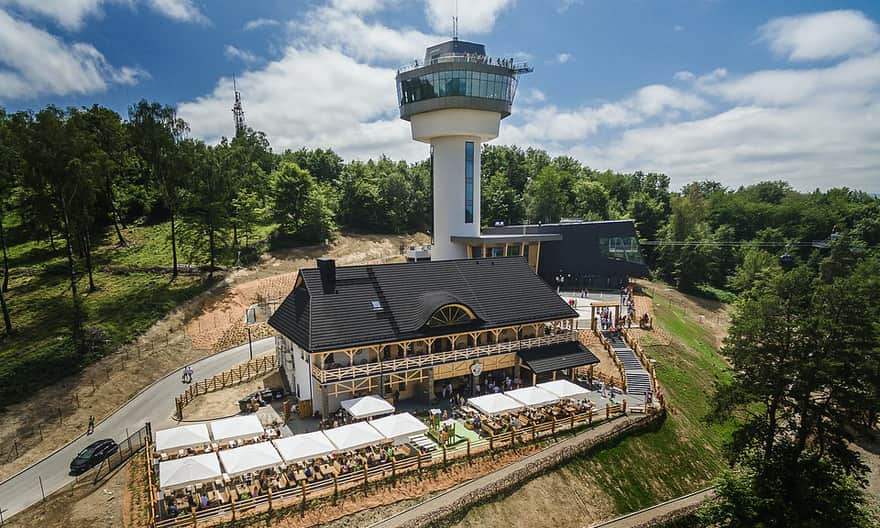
(240, 374)
(306, 491)
(436, 358)
(636, 345)
(614, 358)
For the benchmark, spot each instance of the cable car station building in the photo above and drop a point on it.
(412, 328)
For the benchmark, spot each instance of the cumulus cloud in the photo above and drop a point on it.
(475, 18)
(533, 95)
(71, 14)
(821, 35)
(231, 52)
(347, 31)
(260, 23)
(34, 62)
(312, 97)
(565, 5)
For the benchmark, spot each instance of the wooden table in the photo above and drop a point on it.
(300, 475)
(326, 470)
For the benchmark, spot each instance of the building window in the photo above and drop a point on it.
(469, 182)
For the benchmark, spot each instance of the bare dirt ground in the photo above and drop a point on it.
(99, 507)
(712, 315)
(606, 364)
(223, 403)
(104, 386)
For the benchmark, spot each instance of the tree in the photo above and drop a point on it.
(500, 201)
(805, 369)
(544, 201)
(293, 187)
(590, 200)
(156, 131)
(324, 165)
(9, 169)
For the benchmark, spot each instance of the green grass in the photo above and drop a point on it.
(40, 351)
(684, 454)
(716, 294)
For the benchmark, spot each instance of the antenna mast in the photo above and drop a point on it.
(237, 110)
(455, 23)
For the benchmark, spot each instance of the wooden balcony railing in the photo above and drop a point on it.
(389, 366)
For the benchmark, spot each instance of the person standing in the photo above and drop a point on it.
(91, 425)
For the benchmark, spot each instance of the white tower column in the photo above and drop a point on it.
(449, 132)
(449, 195)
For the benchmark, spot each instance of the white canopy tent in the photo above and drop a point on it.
(354, 436)
(236, 427)
(492, 404)
(564, 389)
(181, 437)
(248, 458)
(180, 472)
(532, 397)
(366, 407)
(304, 446)
(399, 427)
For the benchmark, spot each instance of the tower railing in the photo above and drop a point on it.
(472, 58)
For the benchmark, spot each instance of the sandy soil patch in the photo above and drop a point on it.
(99, 507)
(102, 387)
(223, 403)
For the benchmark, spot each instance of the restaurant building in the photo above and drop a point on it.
(414, 328)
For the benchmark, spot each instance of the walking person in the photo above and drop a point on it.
(91, 425)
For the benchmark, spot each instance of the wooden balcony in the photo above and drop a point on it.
(421, 361)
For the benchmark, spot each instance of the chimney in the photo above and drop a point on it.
(327, 268)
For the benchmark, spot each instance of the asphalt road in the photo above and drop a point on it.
(155, 404)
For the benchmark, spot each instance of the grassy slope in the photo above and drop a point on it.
(685, 454)
(39, 353)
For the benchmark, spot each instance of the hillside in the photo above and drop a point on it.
(682, 456)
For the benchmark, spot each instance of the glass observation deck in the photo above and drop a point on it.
(458, 74)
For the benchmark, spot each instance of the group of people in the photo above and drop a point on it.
(187, 374)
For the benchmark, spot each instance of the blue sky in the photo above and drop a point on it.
(735, 91)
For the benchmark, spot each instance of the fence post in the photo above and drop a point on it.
(336, 485)
(232, 505)
(366, 476)
(443, 445)
(302, 510)
(393, 470)
(590, 417)
(419, 453)
(553, 426)
(571, 419)
(469, 450)
(42, 492)
(623, 411)
(491, 442)
(533, 431)
(269, 493)
(607, 411)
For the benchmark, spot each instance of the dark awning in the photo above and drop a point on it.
(558, 356)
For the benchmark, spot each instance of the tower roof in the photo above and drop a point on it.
(453, 47)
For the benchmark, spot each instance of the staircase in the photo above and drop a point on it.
(638, 381)
(423, 442)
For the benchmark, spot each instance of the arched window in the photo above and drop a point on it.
(451, 315)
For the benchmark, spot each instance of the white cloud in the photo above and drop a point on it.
(232, 52)
(821, 35)
(348, 32)
(34, 62)
(312, 97)
(259, 23)
(563, 58)
(181, 10)
(534, 95)
(684, 76)
(71, 14)
(474, 18)
(361, 6)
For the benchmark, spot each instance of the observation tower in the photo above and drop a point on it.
(455, 100)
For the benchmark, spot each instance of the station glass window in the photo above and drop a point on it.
(469, 182)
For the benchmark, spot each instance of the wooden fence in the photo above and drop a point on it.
(614, 358)
(636, 345)
(333, 487)
(240, 374)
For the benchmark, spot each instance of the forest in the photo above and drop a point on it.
(72, 181)
(107, 222)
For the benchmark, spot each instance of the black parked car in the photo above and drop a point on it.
(92, 455)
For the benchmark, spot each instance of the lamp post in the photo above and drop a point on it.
(250, 342)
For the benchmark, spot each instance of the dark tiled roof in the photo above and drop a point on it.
(557, 356)
(499, 291)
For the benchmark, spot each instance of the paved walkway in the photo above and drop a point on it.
(402, 519)
(639, 518)
(154, 404)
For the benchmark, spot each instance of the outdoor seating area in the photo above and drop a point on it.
(250, 465)
(197, 439)
(498, 413)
